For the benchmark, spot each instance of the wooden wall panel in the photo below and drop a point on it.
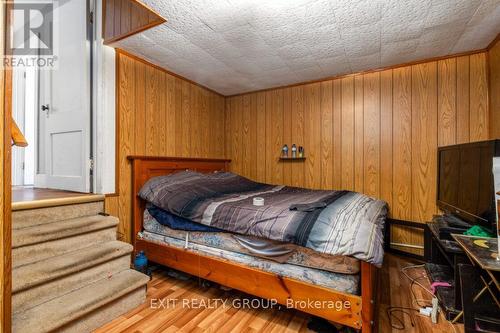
(178, 115)
(260, 124)
(371, 136)
(158, 115)
(330, 144)
(297, 110)
(287, 132)
(463, 101)
(479, 126)
(447, 99)
(358, 133)
(185, 123)
(402, 162)
(162, 129)
(170, 115)
(5, 183)
(494, 90)
(140, 108)
(343, 91)
(126, 138)
(152, 104)
(375, 133)
(386, 136)
(246, 147)
(123, 18)
(274, 134)
(424, 140)
(234, 134)
(312, 134)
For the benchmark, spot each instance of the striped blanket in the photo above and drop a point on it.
(331, 222)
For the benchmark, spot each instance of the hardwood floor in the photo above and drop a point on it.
(24, 193)
(395, 292)
(160, 316)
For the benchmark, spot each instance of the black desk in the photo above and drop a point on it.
(443, 258)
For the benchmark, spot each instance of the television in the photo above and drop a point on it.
(465, 185)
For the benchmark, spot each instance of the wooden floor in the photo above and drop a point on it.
(163, 317)
(23, 193)
(395, 292)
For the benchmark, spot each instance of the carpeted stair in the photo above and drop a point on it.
(70, 274)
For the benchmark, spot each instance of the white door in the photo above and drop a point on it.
(64, 125)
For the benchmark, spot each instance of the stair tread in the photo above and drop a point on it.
(55, 202)
(61, 229)
(45, 270)
(62, 310)
(35, 252)
(31, 217)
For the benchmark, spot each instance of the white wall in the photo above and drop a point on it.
(104, 111)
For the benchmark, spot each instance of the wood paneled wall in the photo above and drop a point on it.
(122, 18)
(494, 63)
(375, 133)
(5, 182)
(159, 114)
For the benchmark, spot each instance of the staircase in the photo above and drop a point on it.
(69, 273)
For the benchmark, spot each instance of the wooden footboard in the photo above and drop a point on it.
(347, 309)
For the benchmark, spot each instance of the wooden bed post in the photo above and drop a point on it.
(369, 283)
(146, 167)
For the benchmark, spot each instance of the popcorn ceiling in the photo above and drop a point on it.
(235, 46)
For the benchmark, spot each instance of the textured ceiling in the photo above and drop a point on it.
(235, 46)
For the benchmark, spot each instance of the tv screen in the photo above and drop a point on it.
(465, 182)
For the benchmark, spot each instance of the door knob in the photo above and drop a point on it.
(45, 107)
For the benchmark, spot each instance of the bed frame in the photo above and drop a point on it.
(360, 314)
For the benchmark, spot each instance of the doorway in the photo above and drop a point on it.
(52, 106)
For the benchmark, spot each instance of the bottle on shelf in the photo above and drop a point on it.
(284, 151)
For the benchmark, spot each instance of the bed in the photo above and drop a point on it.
(236, 269)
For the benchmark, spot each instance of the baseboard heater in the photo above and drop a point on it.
(388, 245)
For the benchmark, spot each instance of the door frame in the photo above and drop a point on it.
(104, 114)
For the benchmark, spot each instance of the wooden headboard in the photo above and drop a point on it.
(147, 167)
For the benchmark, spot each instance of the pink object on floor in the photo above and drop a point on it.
(439, 284)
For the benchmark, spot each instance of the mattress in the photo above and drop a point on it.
(346, 283)
(333, 222)
(301, 256)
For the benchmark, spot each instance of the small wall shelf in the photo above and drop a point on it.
(292, 158)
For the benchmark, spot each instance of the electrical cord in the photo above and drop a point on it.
(390, 314)
(452, 326)
(414, 281)
(391, 311)
(406, 310)
(415, 299)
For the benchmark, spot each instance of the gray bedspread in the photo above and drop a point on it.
(331, 222)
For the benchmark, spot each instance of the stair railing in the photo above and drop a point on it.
(17, 136)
